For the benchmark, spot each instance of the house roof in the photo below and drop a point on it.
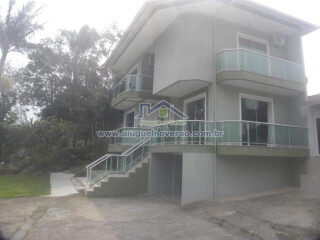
(314, 99)
(150, 7)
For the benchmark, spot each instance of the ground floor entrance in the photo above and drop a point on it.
(165, 174)
(187, 175)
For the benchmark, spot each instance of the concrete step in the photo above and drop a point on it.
(133, 182)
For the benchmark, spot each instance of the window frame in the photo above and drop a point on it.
(252, 38)
(258, 98)
(193, 99)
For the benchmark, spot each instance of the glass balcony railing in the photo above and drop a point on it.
(262, 134)
(139, 83)
(182, 132)
(246, 60)
(128, 136)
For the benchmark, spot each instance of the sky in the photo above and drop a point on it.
(72, 14)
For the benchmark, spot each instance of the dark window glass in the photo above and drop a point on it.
(255, 111)
(196, 110)
(130, 120)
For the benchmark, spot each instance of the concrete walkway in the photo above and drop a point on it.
(61, 185)
(293, 215)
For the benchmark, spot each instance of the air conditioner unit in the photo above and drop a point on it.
(278, 39)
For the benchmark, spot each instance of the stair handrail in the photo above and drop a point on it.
(99, 159)
(105, 158)
(124, 154)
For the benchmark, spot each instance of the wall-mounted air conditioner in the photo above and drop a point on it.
(278, 39)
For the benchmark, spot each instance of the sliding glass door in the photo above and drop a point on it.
(256, 112)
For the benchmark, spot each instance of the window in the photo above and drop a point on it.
(195, 107)
(254, 110)
(252, 45)
(253, 61)
(130, 119)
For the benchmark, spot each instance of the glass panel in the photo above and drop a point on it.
(133, 83)
(262, 134)
(249, 109)
(245, 43)
(242, 59)
(259, 47)
(298, 136)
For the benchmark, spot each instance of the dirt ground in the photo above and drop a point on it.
(289, 215)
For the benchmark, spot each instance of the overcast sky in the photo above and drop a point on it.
(72, 14)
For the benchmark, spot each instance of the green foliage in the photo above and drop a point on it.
(66, 79)
(41, 146)
(12, 186)
(16, 29)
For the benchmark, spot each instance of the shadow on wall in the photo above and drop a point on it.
(1, 236)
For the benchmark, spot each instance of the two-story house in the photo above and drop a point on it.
(231, 65)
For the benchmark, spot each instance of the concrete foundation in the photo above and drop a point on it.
(241, 175)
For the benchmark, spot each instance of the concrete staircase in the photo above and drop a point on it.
(135, 181)
(311, 182)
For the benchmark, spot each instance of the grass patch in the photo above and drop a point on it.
(20, 185)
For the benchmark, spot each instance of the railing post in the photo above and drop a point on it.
(175, 133)
(191, 132)
(117, 164)
(289, 134)
(142, 150)
(248, 133)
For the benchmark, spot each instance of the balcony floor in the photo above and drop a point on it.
(262, 151)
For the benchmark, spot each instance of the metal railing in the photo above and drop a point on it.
(140, 83)
(116, 164)
(190, 126)
(243, 59)
(262, 134)
(129, 139)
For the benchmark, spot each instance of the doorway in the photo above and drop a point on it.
(195, 108)
(254, 113)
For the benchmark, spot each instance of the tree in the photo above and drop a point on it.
(70, 61)
(65, 78)
(16, 28)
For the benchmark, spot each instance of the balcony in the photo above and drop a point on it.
(120, 144)
(240, 138)
(253, 70)
(130, 90)
(167, 141)
(262, 139)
